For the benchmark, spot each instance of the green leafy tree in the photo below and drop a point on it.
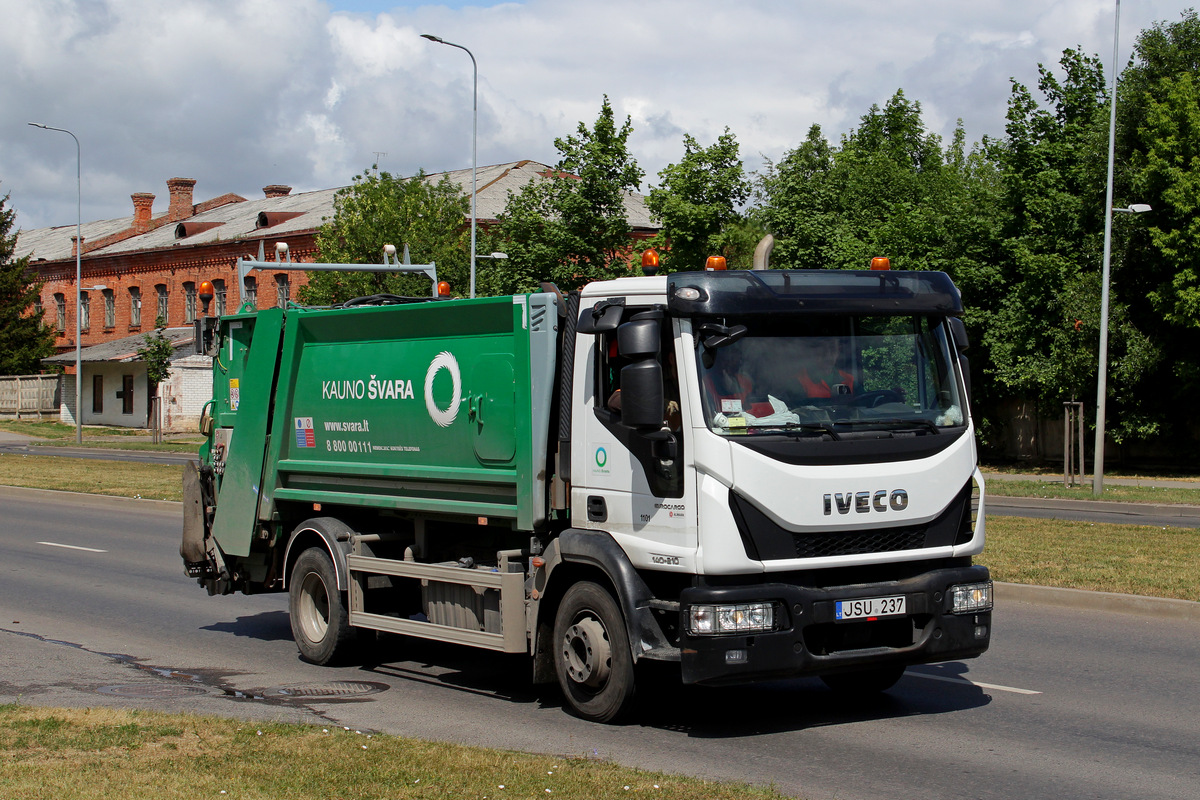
(380, 209)
(697, 202)
(156, 352)
(570, 226)
(24, 340)
(1155, 254)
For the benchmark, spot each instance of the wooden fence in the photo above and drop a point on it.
(30, 396)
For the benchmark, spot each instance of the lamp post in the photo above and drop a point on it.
(474, 130)
(78, 277)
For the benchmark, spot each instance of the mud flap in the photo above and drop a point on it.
(192, 548)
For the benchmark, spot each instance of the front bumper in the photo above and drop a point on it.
(809, 641)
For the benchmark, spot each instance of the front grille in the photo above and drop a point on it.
(884, 540)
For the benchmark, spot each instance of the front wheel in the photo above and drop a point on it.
(591, 654)
(865, 681)
(320, 618)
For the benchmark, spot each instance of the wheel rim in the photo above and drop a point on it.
(314, 607)
(587, 653)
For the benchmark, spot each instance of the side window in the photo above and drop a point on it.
(160, 289)
(219, 294)
(97, 394)
(110, 309)
(135, 307)
(189, 301)
(664, 475)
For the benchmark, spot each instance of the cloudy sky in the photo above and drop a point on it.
(239, 94)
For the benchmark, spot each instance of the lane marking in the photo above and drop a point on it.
(992, 686)
(73, 547)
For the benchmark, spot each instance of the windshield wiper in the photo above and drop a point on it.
(806, 427)
(916, 422)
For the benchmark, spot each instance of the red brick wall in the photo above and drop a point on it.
(146, 269)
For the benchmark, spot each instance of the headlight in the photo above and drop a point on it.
(969, 598)
(714, 620)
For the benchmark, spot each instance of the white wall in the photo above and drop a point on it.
(112, 413)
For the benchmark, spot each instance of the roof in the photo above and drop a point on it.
(286, 215)
(125, 349)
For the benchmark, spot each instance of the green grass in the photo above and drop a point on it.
(1112, 492)
(55, 434)
(100, 754)
(1129, 559)
(91, 476)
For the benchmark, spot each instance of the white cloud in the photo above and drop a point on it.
(240, 95)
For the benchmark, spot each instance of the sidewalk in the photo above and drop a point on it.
(1157, 483)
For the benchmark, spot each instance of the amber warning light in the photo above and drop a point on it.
(714, 263)
(650, 262)
(879, 262)
(206, 294)
(443, 289)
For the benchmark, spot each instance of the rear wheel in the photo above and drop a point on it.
(591, 654)
(319, 613)
(865, 681)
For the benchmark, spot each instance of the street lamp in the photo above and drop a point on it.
(1102, 378)
(78, 277)
(474, 130)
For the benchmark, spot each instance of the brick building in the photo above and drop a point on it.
(138, 268)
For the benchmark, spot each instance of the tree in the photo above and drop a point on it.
(24, 340)
(379, 209)
(570, 226)
(697, 202)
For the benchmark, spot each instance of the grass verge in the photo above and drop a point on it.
(1129, 559)
(1113, 493)
(55, 434)
(89, 754)
(116, 478)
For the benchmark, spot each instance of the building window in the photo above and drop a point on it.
(219, 295)
(250, 291)
(282, 290)
(161, 290)
(189, 301)
(85, 311)
(126, 394)
(60, 311)
(135, 307)
(97, 394)
(110, 308)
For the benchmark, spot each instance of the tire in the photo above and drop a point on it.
(319, 613)
(865, 681)
(591, 654)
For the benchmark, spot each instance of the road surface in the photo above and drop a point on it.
(95, 610)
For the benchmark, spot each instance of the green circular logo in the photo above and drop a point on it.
(601, 457)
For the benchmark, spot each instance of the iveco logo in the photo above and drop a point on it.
(866, 502)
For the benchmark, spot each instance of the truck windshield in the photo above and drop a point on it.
(833, 377)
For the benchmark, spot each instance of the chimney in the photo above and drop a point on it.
(277, 190)
(143, 207)
(181, 198)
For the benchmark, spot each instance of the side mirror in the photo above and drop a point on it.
(642, 400)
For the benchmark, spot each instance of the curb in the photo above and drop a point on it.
(1157, 607)
(106, 500)
(1109, 507)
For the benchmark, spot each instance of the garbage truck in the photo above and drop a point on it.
(755, 475)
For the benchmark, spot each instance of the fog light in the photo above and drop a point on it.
(736, 656)
(969, 598)
(713, 620)
(981, 631)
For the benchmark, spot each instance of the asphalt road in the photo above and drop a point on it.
(95, 610)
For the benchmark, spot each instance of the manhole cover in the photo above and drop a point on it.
(151, 691)
(330, 689)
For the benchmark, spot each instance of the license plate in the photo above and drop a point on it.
(870, 607)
